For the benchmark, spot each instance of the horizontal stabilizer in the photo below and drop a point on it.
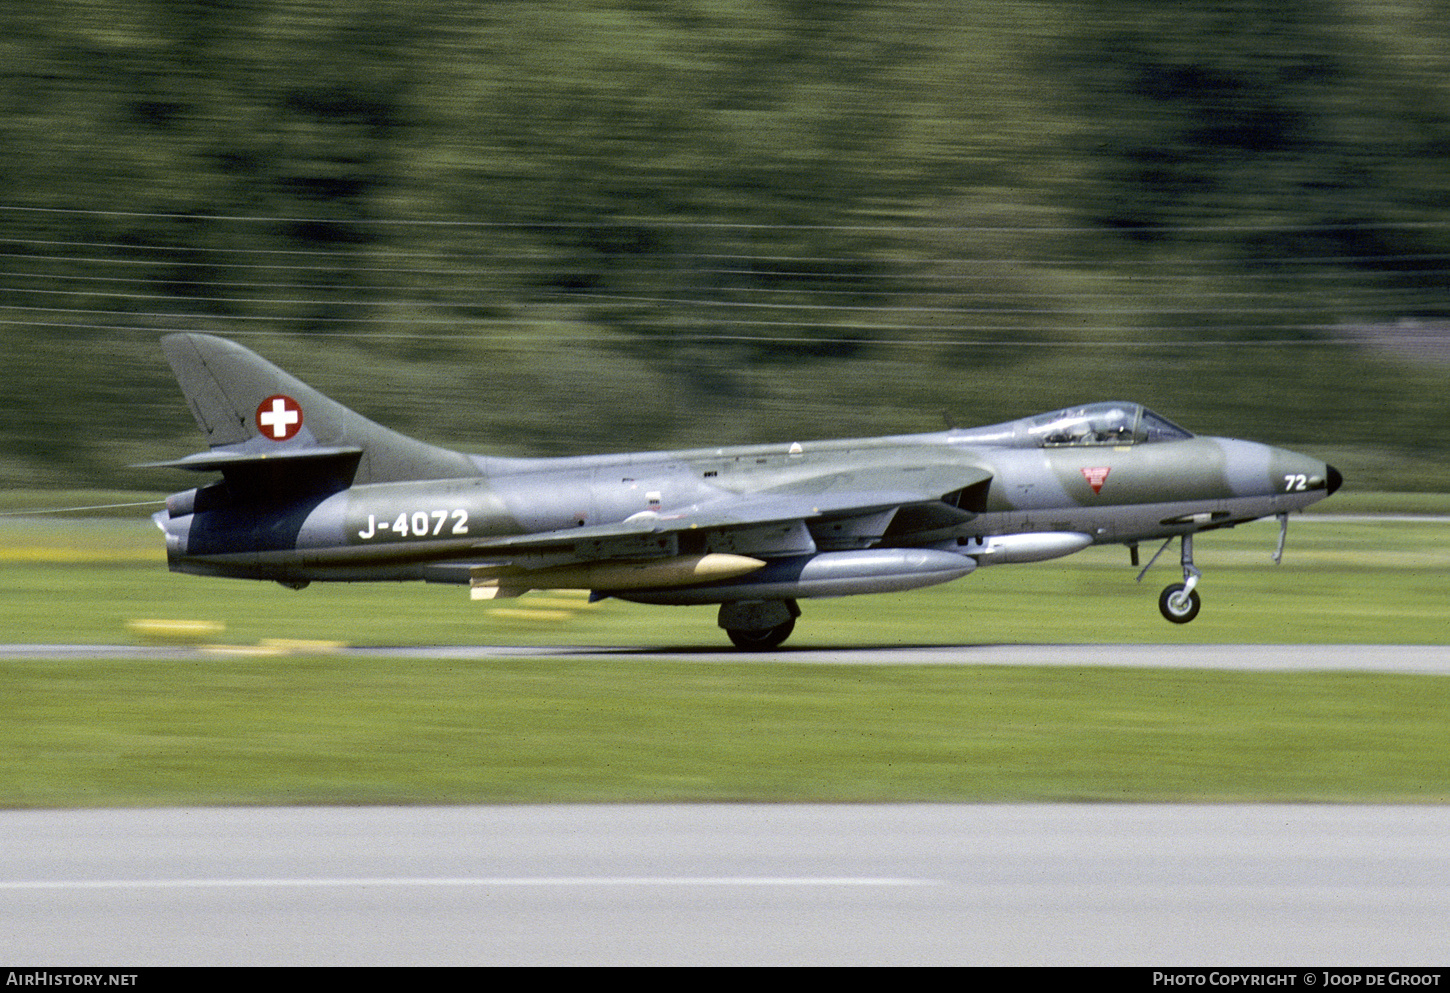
(221, 459)
(252, 474)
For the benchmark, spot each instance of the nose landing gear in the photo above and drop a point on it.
(1179, 602)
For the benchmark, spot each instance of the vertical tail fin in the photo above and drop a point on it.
(248, 406)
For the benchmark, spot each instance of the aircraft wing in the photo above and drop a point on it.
(842, 509)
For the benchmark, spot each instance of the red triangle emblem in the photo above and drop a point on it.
(1096, 477)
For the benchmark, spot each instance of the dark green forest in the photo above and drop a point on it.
(555, 227)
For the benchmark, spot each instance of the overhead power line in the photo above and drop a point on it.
(1064, 299)
(628, 222)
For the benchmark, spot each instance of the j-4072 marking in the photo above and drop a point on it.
(418, 524)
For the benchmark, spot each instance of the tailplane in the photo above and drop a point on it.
(262, 422)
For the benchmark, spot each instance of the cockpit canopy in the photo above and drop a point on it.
(1108, 423)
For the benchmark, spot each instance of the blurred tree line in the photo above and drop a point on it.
(555, 226)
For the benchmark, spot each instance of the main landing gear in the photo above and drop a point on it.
(1179, 602)
(759, 625)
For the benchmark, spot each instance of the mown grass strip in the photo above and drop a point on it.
(279, 730)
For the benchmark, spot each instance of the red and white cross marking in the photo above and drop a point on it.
(279, 417)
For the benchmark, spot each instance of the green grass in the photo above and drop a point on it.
(344, 731)
(1360, 502)
(230, 728)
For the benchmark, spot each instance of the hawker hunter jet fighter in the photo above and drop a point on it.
(311, 491)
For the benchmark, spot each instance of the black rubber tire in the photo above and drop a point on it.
(1179, 614)
(763, 640)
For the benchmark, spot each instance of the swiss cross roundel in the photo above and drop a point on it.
(279, 417)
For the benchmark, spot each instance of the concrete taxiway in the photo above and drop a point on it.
(1100, 884)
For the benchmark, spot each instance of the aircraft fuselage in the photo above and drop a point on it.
(390, 531)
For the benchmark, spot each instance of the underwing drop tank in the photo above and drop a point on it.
(827, 574)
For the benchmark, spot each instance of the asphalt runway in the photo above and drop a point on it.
(1405, 659)
(1074, 885)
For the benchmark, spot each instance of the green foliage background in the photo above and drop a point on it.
(558, 227)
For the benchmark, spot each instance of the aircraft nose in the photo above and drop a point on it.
(1300, 479)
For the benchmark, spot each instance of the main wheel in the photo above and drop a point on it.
(762, 640)
(1178, 607)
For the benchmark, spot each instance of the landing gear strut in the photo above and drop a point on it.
(1179, 602)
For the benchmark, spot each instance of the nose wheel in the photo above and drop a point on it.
(1179, 602)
